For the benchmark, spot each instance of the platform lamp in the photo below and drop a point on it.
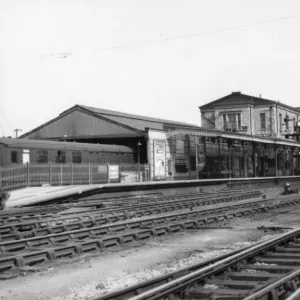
(139, 167)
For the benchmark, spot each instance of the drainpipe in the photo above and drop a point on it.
(251, 117)
(277, 131)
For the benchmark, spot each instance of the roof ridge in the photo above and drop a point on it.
(133, 116)
(250, 98)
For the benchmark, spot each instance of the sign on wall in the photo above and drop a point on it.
(159, 155)
(113, 171)
(102, 169)
(200, 157)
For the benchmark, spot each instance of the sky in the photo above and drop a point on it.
(157, 58)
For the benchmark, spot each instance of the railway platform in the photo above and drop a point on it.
(32, 195)
(35, 195)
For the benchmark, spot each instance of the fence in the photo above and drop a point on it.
(19, 176)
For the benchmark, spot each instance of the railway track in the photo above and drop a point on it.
(99, 217)
(101, 224)
(94, 226)
(133, 198)
(134, 290)
(33, 251)
(11, 217)
(148, 200)
(267, 270)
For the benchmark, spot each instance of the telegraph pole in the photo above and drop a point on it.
(17, 130)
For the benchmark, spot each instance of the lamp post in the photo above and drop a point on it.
(276, 160)
(230, 167)
(197, 162)
(139, 167)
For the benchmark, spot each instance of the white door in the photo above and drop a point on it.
(26, 156)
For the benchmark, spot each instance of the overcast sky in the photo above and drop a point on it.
(179, 55)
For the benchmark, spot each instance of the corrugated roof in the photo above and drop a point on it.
(136, 121)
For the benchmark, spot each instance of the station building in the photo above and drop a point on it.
(240, 136)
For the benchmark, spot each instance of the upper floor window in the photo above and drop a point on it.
(280, 122)
(232, 121)
(262, 121)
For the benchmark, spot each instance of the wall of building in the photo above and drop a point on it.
(285, 112)
(208, 119)
(272, 114)
(251, 118)
(245, 112)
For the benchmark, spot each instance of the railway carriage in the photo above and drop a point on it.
(22, 151)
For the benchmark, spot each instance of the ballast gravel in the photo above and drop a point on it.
(112, 284)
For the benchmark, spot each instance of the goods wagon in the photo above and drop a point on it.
(22, 151)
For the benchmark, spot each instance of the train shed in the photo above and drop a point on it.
(95, 125)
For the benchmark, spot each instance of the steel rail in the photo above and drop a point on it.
(295, 295)
(165, 198)
(162, 201)
(178, 285)
(142, 198)
(287, 286)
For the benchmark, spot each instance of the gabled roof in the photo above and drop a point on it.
(239, 98)
(297, 108)
(135, 121)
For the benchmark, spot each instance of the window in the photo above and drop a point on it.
(77, 157)
(262, 121)
(287, 122)
(232, 121)
(280, 122)
(14, 157)
(60, 157)
(224, 122)
(239, 121)
(41, 156)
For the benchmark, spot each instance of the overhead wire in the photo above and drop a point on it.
(198, 34)
(2, 130)
(67, 54)
(6, 120)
